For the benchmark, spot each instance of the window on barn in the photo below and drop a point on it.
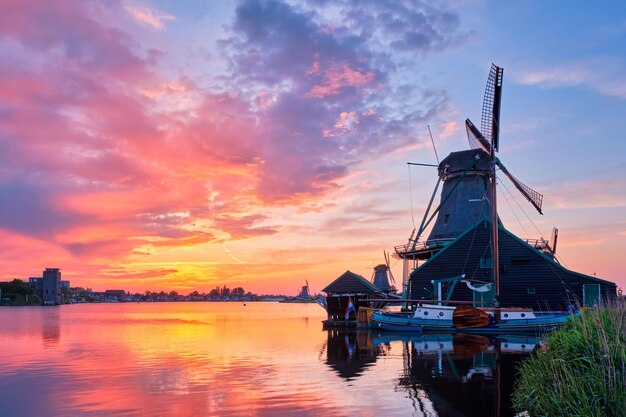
(486, 263)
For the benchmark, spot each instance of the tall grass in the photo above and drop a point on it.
(581, 372)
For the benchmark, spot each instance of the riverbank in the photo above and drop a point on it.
(582, 369)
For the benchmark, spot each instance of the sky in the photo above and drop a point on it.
(168, 145)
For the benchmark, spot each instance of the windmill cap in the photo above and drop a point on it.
(462, 160)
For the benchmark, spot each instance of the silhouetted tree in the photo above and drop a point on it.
(19, 293)
(225, 291)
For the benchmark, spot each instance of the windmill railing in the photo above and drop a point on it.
(420, 247)
(416, 248)
(538, 243)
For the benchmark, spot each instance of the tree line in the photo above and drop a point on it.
(17, 292)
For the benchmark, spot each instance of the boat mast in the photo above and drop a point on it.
(494, 233)
(494, 121)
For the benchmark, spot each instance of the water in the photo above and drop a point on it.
(227, 359)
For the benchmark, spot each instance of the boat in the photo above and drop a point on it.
(469, 319)
(473, 171)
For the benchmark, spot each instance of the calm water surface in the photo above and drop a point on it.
(227, 359)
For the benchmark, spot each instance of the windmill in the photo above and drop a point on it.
(382, 277)
(304, 292)
(468, 193)
(490, 124)
(460, 242)
(488, 137)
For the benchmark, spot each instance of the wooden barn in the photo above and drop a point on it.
(529, 277)
(348, 287)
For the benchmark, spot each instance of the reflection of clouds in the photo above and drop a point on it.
(190, 359)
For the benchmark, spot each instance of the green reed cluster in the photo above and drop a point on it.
(581, 371)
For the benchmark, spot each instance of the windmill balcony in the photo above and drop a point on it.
(540, 244)
(426, 249)
(421, 250)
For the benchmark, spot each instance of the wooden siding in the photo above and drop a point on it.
(528, 278)
(336, 306)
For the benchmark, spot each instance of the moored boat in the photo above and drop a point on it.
(468, 319)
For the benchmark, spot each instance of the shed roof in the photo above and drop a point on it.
(349, 282)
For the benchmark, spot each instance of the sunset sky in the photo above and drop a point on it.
(181, 145)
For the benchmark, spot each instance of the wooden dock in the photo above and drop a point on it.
(338, 323)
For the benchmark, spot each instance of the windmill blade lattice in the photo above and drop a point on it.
(490, 119)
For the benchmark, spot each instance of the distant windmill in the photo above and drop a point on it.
(382, 278)
(304, 292)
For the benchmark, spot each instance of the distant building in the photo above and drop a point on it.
(115, 295)
(49, 286)
(36, 283)
(52, 286)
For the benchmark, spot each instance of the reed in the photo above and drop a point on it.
(581, 371)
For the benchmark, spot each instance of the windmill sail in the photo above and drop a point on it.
(535, 198)
(475, 138)
(490, 120)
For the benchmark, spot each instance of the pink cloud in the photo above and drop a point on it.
(600, 193)
(337, 77)
(602, 75)
(148, 16)
(105, 142)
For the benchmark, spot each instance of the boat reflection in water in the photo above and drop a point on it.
(350, 352)
(443, 375)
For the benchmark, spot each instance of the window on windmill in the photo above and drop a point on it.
(446, 218)
(486, 262)
(530, 289)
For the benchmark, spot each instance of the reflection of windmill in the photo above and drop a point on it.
(468, 188)
(382, 277)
